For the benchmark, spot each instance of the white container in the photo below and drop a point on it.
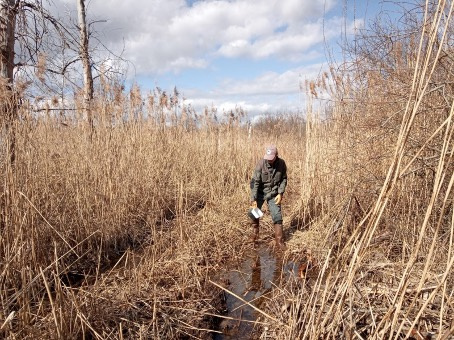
(257, 212)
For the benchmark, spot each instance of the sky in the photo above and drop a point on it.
(253, 54)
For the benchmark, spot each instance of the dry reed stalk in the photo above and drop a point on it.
(402, 201)
(81, 207)
(147, 206)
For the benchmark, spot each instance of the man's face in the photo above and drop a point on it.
(272, 161)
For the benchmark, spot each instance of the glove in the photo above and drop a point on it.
(253, 204)
(278, 199)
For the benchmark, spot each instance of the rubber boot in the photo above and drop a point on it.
(279, 237)
(255, 231)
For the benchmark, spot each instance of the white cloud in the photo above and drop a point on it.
(269, 92)
(183, 62)
(252, 106)
(269, 83)
(162, 36)
(169, 35)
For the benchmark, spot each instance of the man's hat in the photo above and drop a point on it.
(270, 152)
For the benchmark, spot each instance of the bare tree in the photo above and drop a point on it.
(85, 58)
(52, 55)
(8, 107)
(7, 28)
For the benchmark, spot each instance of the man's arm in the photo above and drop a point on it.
(255, 182)
(283, 184)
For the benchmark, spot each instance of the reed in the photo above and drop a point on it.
(122, 232)
(115, 233)
(379, 194)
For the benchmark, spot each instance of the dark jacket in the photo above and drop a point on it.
(268, 180)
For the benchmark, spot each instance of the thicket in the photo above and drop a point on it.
(378, 190)
(116, 232)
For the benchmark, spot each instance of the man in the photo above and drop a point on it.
(268, 184)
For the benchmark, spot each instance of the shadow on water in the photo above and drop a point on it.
(252, 281)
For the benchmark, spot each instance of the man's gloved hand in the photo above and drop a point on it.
(253, 204)
(278, 199)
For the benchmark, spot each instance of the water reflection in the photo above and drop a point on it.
(252, 281)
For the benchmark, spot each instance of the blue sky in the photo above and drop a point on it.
(249, 53)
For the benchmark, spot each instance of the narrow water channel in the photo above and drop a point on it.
(252, 281)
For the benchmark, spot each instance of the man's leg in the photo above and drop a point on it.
(276, 216)
(255, 223)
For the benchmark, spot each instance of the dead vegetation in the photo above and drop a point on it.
(118, 234)
(379, 180)
(115, 234)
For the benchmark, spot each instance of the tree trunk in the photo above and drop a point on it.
(85, 57)
(7, 27)
(8, 105)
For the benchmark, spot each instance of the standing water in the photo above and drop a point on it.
(252, 281)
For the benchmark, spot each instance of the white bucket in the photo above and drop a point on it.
(257, 212)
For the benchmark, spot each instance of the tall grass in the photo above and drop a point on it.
(380, 177)
(115, 233)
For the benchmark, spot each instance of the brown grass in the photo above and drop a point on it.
(118, 234)
(380, 180)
